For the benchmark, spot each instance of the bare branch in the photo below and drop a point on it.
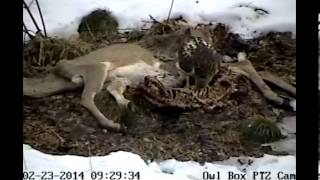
(172, 1)
(27, 31)
(43, 25)
(32, 18)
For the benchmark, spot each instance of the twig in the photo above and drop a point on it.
(154, 19)
(32, 18)
(62, 52)
(172, 1)
(27, 31)
(60, 138)
(43, 25)
(41, 52)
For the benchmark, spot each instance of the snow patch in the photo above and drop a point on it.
(293, 105)
(63, 17)
(170, 169)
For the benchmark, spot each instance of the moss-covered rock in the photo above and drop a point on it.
(98, 25)
(261, 130)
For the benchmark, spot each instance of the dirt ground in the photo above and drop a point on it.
(60, 125)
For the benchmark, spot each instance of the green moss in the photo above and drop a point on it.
(261, 130)
(98, 25)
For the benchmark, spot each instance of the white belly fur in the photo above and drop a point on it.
(134, 74)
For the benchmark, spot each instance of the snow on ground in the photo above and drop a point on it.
(62, 17)
(288, 128)
(170, 169)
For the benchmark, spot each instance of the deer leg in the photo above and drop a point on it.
(94, 78)
(267, 76)
(116, 88)
(187, 82)
(245, 68)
